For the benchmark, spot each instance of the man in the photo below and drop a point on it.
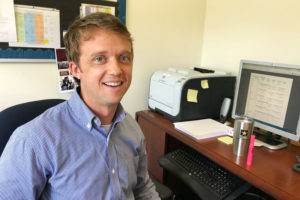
(87, 147)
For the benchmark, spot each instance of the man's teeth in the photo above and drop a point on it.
(113, 84)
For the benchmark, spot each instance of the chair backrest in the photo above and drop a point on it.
(17, 115)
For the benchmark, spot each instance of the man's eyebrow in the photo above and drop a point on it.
(98, 53)
(95, 54)
(126, 52)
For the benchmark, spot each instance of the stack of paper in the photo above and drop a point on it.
(203, 128)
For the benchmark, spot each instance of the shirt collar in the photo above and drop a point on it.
(85, 115)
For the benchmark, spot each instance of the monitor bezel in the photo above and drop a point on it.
(257, 123)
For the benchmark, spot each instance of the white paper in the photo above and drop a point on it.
(7, 21)
(203, 128)
(37, 27)
(87, 9)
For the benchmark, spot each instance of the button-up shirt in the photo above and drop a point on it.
(66, 154)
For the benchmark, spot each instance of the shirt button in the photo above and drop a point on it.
(95, 121)
(88, 125)
(113, 171)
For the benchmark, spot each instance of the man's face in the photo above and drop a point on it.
(105, 68)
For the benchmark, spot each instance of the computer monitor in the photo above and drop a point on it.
(269, 93)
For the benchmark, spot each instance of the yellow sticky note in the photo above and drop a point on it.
(192, 95)
(226, 139)
(46, 41)
(204, 84)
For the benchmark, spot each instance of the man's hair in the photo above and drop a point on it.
(81, 28)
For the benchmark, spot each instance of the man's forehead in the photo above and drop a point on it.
(88, 34)
(91, 33)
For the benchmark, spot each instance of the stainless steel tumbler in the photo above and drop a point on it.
(243, 128)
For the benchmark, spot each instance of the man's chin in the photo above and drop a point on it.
(113, 102)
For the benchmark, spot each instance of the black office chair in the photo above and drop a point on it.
(165, 193)
(17, 115)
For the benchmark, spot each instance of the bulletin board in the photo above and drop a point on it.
(69, 10)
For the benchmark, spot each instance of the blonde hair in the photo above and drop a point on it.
(81, 28)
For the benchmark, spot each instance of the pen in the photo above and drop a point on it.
(250, 150)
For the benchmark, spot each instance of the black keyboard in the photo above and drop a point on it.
(206, 178)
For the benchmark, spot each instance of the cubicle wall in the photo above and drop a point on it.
(68, 10)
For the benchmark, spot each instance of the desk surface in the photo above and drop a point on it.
(271, 171)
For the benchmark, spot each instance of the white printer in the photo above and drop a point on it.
(182, 94)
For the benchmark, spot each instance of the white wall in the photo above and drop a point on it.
(170, 33)
(21, 82)
(258, 30)
(166, 33)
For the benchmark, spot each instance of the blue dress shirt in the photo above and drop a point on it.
(66, 154)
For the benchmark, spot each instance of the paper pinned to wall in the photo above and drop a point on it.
(37, 27)
(66, 80)
(8, 31)
(87, 9)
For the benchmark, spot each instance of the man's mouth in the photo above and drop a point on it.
(113, 84)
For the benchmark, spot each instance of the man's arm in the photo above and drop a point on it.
(21, 176)
(145, 187)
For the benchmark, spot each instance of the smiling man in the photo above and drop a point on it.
(87, 147)
(104, 68)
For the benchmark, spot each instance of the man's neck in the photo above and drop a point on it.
(105, 114)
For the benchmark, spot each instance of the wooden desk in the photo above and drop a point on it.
(271, 171)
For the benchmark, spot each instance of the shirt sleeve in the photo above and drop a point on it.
(145, 188)
(21, 174)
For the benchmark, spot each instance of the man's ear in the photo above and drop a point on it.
(75, 70)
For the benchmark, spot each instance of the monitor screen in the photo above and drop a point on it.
(269, 93)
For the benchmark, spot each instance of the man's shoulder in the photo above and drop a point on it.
(49, 118)
(129, 119)
(51, 115)
(130, 123)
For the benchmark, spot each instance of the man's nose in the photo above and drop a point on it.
(115, 67)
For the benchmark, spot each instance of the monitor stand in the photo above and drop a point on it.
(268, 140)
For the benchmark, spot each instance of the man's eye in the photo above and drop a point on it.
(125, 59)
(100, 59)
